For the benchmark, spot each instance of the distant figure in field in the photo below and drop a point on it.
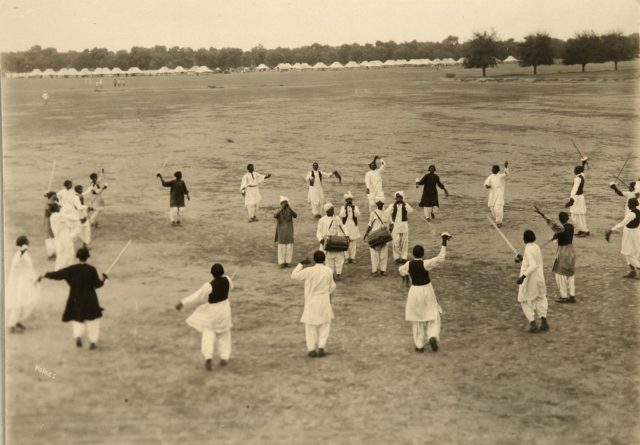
(532, 293)
(429, 200)
(284, 232)
(373, 181)
(49, 241)
(422, 308)
(349, 213)
(316, 191)
(564, 266)
(630, 227)
(399, 212)
(251, 192)
(576, 203)
(93, 196)
(45, 97)
(82, 309)
(317, 313)
(496, 183)
(212, 318)
(178, 191)
(22, 291)
(66, 195)
(627, 194)
(378, 219)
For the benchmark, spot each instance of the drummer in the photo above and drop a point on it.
(379, 254)
(331, 225)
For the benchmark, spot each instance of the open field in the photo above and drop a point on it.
(490, 383)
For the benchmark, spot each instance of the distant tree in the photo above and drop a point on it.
(617, 47)
(536, 50)
(480, 52)
(582, 49)
(558, 46)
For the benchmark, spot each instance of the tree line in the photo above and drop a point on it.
(480, 52)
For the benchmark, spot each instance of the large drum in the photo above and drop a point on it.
(336, 243)
(379, 237)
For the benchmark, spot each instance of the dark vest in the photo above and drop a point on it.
(581, 186)
(220, 290)
(395, 211)
(565, 238)
(313, 175)
(419, 276)
(635, 222)
(346, 213)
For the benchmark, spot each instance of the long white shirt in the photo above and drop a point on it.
(249, 184)
(533, 285)
(497, 183)
(379, 219)
(316, 191)
(579, 205)
(373, 181)
(79, 206)
(62, 228)
(65, 196)
(352, 228)
(22, 292)
(93, 195)
(318, 286)
(330, 225)
(203, 292)
(399, 226)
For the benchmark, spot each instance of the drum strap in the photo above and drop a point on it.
(340, 227)
(378, 216)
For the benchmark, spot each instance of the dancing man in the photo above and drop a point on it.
(317, 313)
(627, 194)
(532, 291)
(378, 219)
(399, 212)
(496, 183)
(22, 292)
(177, 192)
(373, 181)
(564, 266)
(630, 247)
(213, 318)
(349, 214)
(423, 310)
(316, 190)
(331, 225)
(249, 189)
(284, 232)
(429, 200)
(93, 195)
(82, 309)
(576, 203)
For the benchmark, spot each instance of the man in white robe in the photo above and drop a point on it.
(318, 313)
(496, 183)
(249, 189)
(373, 181)
(22, 291)
(398, 211)
(576, 204)
(83, 229)
(66, 195)
(349, 214)
(422, 309)
(532, 293)
(330, 224)
(626, 194)
(62, 224)
(630, 246)
(316, 190)
(379, 254)
(93, 198)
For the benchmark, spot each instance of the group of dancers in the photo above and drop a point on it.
(72, 213)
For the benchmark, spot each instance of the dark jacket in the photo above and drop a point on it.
(177, 192)
(82, 303)
(429, 192)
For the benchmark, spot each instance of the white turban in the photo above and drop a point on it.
(380, 198)
(348, 195)
(401, 193)
(327, 206)
(283, 199)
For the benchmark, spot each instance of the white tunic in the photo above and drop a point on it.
(318, 286)
(497, 182)
(330, 225)
(93, 195)
(579, 206)
(379, 219)
(630, 237)
(62, 226)
(352, 228)
(249, 184)
(65, 196)
(399, 226)
(533, 285)
(209, 316)
(316, 191)
(22, 292)
(421, 300)
(373, 181)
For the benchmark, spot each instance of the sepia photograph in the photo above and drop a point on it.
(320, 222)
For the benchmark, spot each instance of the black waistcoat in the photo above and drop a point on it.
(220, 290)
(634, 223)
(581, 186)
(565, 238)
(419, 276)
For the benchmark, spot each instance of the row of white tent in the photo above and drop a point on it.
(133, 71)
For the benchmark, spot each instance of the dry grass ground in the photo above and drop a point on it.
(491, 382)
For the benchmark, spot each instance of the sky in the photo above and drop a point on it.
(121, 24)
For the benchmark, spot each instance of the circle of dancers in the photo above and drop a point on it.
(72, 212)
